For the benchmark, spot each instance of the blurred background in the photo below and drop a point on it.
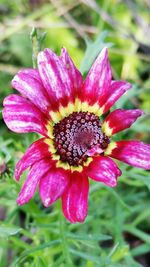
(116, 231)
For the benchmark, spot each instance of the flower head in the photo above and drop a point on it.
(57, 103)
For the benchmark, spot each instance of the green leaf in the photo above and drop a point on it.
(36, 249)
(140, 234)
(92, 51)
(142, 177)
(98, 237)
(116, 195)
(120, 253)
(141, 217)
(39, 262)
(140, 250)
(6, 231)
(85, 256)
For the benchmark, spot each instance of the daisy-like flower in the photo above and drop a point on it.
(59, 105)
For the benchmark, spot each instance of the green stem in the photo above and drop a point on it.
(35, 46)
(64, 240)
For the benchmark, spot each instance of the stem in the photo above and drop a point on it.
(35, 46)
(64, 240)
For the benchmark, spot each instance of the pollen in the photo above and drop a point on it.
(76, 134)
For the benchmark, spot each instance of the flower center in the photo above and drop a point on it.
(76, 135)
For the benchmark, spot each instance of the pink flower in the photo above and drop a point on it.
(58, 104)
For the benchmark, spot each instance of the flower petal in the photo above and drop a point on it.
(36, 151)
(21, 116)
(119, 120)
(105, 170)
(32, 181)
(134, 153)
(52, 185)
(75, 198)
(98, 79)
(74, 73)
(55, 77)
(95, 150)
(29, 84)
(116, 90)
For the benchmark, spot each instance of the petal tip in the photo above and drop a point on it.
(42, 55)
(119, 172)
(128, 86)
(104, 53)
(47, 202)
(21, 202)
(141, 112)
(81, 219)
(64, 50)
(113, 184)
(5, 101)
(104, 50)
(17, 175)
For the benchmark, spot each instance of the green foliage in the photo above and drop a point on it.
(92, 51)
(116, 231)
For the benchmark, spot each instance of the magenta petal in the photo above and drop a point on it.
(74, 73)
(116, 90)
(36, 151)
(21, 116)
(32, 181)
(94, 151)
(98, 79)
(75, 198)
(134, 153)
(121, 119)
(52, 185)
(55, 76)
(29, 84)
(105, 170)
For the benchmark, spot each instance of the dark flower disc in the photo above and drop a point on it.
(76, 134)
